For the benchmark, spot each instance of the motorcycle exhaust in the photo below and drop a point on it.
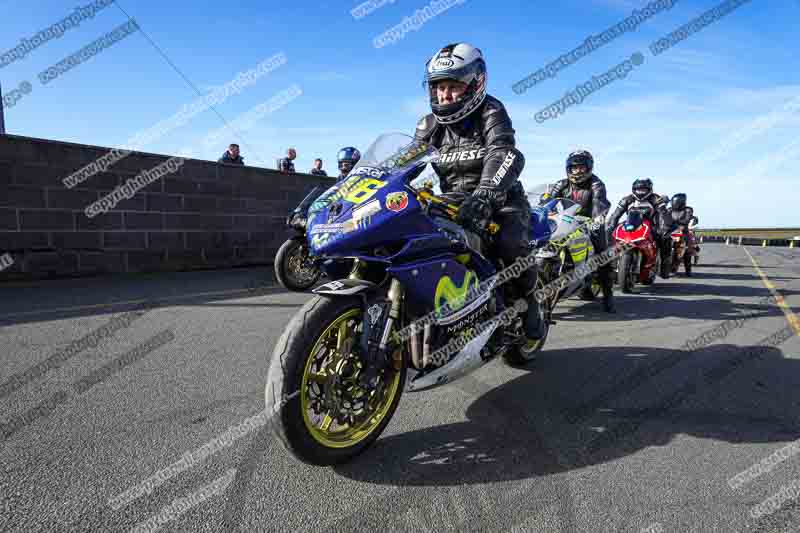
(416, 357)
(426, 346)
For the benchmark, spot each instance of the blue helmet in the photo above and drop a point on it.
(348, 156)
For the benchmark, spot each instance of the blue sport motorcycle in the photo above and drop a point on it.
(422, 306)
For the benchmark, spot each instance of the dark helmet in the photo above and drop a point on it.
(348, 157)
(459, 62)
(679, 201)
(642, 188)
(580, 158)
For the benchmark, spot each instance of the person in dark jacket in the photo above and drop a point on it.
(584, 188)
(479, 158)
(231, 156)
(656, 208)
(683, 219)
(286, 164)
(317, 170)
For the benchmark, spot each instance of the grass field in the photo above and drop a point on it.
(784, 233)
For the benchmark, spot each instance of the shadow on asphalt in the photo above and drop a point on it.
(65, 299)
(514, 429)
(653, 305)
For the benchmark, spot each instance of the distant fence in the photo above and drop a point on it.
(205, 215)
(752, 236)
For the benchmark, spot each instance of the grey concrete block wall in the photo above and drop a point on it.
(206, 215)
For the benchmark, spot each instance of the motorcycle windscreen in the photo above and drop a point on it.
(350, 215)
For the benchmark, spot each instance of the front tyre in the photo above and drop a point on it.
(625, 272)
(293, 268)
(325, 414)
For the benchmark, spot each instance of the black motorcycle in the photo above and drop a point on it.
(295, 270)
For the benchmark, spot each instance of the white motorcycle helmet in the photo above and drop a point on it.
(460, 62)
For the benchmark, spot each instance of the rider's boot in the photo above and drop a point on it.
(534, 320)
(607, 283)
(665, 249)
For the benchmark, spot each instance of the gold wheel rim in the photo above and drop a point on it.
(328, 431)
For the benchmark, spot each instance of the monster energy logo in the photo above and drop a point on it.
(449, 296)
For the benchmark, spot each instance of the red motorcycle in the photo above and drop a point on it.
(639, 260)
(683, 249)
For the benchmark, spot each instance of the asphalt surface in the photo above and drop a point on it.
(616, 427)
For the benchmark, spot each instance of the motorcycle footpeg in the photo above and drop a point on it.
(512, 338)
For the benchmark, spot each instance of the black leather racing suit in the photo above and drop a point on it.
(662, 219)
(591, 196)
(681, 219)
(479, 154)
(684, 217)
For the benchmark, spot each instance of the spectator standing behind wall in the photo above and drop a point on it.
(286, 165)
(317, 170)
(231, 156)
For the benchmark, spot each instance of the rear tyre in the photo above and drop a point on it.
(687, 265)
(314, 373)
(522, 354)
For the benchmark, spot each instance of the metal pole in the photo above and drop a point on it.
(2, 113)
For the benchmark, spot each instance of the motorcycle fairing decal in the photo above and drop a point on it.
(326, 228)
(366, 210)
(397, 201)
(355, 189)
(422, 277)
(464, 362)
(364, 190)
(367, 171)
(478, 300)
(452, 295)
(320, 238)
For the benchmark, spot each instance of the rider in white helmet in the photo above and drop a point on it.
(479, 158)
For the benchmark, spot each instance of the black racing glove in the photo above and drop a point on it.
(475, 213)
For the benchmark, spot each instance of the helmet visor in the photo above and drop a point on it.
(577, 169)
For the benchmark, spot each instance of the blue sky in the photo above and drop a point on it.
(678, 105)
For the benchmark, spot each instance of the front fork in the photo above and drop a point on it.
(375, 339)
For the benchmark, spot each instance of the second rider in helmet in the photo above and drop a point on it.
(347, 158)
(583, 187)
(474, 136)
(642, 191)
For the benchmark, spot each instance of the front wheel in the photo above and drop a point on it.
(327, 412)
(293, 267)
(625, 272)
